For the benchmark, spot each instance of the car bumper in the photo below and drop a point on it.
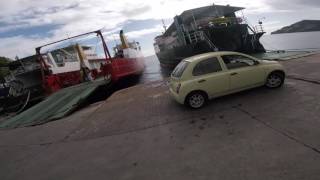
(176, 96)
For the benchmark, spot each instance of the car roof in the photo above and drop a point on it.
(200, 57)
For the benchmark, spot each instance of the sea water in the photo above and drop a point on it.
(290, 41)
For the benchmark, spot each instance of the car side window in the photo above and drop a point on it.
(237, 61)
(181, 67)
(207, 66)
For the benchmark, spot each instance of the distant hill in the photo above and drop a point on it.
(301, 26)
(4, 60)
(3, 67)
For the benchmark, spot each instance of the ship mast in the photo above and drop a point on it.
(194, 21)
(216, 10)
(164, 26)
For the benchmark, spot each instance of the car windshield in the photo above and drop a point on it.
(178, 71)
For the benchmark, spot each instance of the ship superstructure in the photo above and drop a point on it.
(205, 29)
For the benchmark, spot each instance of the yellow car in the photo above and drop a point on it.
(200, 78)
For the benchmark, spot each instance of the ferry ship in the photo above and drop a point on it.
(206, 29)
(74, 64)
(50, 71)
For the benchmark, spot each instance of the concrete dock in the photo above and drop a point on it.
(141, 133)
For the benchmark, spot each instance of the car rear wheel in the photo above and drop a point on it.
(275, 80)
(196, 100)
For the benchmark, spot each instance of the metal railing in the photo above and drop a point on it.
(198, 36)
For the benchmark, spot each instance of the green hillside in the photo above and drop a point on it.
(3, 67)
(301, 26)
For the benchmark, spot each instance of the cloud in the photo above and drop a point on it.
(143, 32)
(293, 4)
(132, 35)
(19, 45)
(79, 16)
(136, 11)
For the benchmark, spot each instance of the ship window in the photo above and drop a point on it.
(237, 61)
(63, 55)
(47, 59)
(178, 71)
(207, 66)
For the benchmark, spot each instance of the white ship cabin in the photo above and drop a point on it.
(132, 51)
(68, 59)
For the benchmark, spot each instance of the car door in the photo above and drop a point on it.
(209, 76)
(244, 72)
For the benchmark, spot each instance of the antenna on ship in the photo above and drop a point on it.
(216, 10)
(114, 39)
(194, 21)
(261, 24)
(164, 26)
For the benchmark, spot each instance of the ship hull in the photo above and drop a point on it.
(171, 57)
(232, 38)
(117, 69)
(123, 67)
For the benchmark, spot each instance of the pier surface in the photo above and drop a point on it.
(141, 133)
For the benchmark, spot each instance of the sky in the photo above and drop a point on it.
(27, 24)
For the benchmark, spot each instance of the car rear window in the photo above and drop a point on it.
(178, 71)
(206, 67)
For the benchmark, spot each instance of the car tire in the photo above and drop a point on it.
(275, 80)
(196, 100)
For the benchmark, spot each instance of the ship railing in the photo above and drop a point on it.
(258, 29)
(193, 37)
(210, 43)
(197, 36)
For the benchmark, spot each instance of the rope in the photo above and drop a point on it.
(25, 104)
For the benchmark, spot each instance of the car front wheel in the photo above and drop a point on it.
(275, 80)
(196, 100)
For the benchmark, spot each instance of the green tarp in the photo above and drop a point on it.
(56, 106)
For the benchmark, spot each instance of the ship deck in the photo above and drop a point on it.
(141, 133)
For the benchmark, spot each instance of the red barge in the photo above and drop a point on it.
(68, 64)
(75, 64)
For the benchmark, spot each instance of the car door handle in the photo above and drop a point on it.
(233, 74)
(201, 81)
